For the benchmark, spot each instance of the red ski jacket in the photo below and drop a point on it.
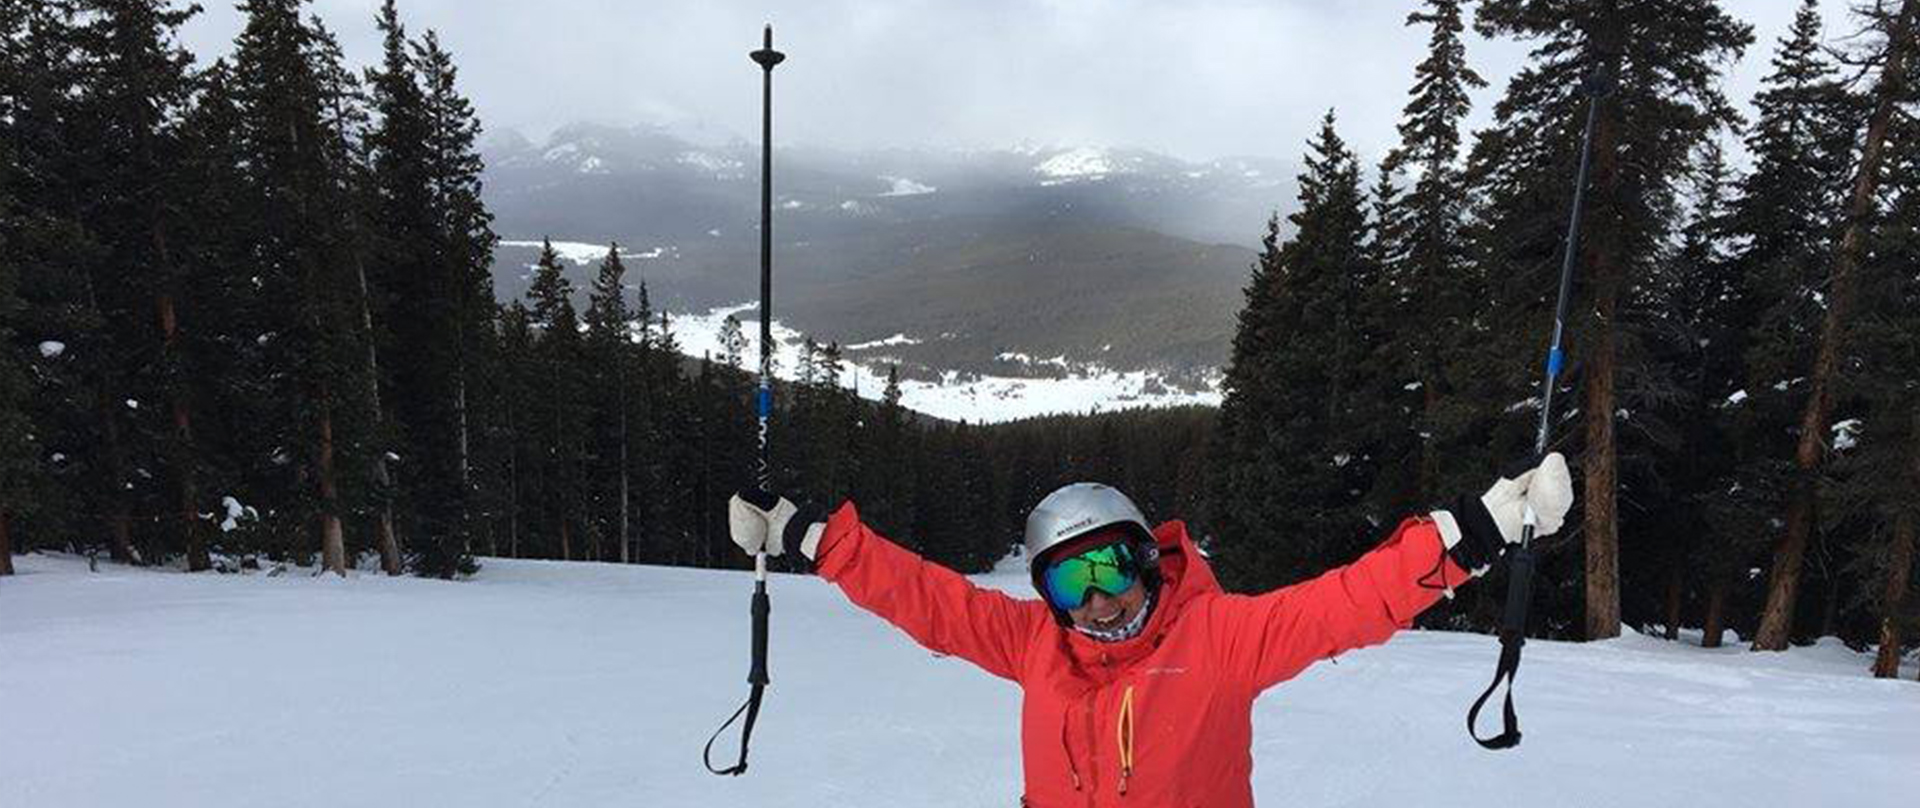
(1163, 719)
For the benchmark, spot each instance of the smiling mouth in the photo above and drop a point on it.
(1109, 621)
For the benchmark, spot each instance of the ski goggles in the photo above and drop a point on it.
(1068, 582)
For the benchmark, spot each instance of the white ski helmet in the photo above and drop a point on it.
(1082, 509)
(1076, 510)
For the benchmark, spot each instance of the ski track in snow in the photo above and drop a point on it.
(571, 684)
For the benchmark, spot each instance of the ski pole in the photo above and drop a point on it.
(762, 606)
(1513, 621)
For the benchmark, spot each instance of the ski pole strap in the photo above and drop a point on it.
(752, 709)
(1509, 665)
(757, 677)
(1513, 636)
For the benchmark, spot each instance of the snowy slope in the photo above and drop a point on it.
(542, 683)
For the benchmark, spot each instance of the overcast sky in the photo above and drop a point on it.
(1194, 78)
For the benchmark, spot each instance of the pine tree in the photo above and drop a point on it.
(609, 325)
(1893, 56)
(1288, 469)
(519, 429)
(434, 286)
(19, 448)
(1427, 256)
(1691, 297)
(230, 335)
(299, 121)
(465, 241)
(405, 307)
(56, 129)
(1666, 103)
(1781, 224)
(34, 244)
(1876, 468)
(733, 342)
(561, 419)
(136, 89)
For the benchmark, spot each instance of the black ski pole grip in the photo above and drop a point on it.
(1519, 589)
(762, 606)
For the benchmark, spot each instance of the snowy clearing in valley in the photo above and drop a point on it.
(583, 253)
(955, 397)
(572, 684)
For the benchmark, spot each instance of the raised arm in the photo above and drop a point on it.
(1270, 638)
(936, 606)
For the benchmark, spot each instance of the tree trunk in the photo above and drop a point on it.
(1893, 598)
(6, 546)
(186, 460)
(1600, 470)
(1429, 458)
(1783, 585)
(1714, 623)
(119, 519)
(620, 379)
(389, 544)
(566, 541)
(1600, 461)
(513, 488)
(333, 545)
(1676, 587)
(1830, 607)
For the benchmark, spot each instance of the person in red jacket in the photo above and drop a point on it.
(1138, 672)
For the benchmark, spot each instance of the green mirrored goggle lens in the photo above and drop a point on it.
(1111, 569)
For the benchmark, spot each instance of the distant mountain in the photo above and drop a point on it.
(1119, 257)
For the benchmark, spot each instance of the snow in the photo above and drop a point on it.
(1737, 397)
(1846, 434)
(234, 513)
(1531, 403)
(570, 684)
(897, 339)
(720, 167)
(975, 398)
(1017, 357)
(583, 253)
(902, 186)
(52, 348)
(1084, 161)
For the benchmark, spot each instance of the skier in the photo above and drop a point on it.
(1138, 672)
